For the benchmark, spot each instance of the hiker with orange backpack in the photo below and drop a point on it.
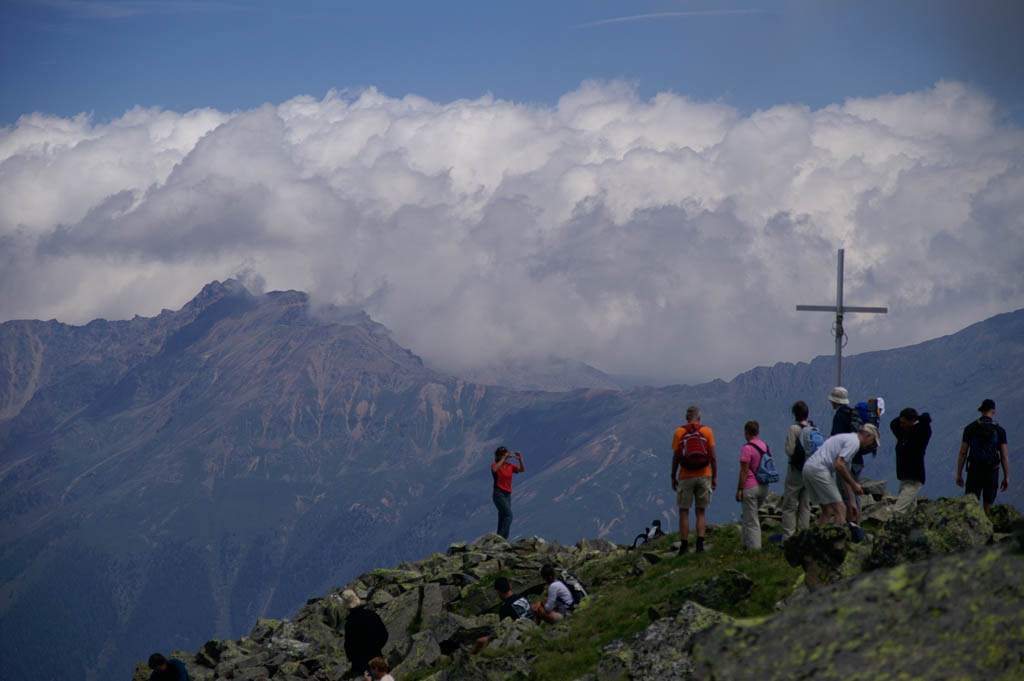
(693, 458)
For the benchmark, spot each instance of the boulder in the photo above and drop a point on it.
(726, 588)
(950, 617)
(424, 653)
(875, 488)
(458, 547)
(820, 551)
(657, 652)
(946, 525)
(1003, 517)
(510, 633)
(879, 512)
(491, 543)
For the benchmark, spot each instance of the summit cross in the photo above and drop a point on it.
(839, 309)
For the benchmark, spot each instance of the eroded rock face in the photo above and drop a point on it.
(951, 617)
(659, 651)
(941, 526)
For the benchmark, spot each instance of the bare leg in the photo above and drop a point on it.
(702, 521)
(684, 524)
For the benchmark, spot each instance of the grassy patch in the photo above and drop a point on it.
(619, 605)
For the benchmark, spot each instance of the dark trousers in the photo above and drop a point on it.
(503, 502)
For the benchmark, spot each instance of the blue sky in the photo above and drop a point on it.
(70, 56)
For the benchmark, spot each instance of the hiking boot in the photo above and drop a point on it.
(700, 544)
(683, 547)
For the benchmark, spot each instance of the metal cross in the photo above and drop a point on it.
(840, 309)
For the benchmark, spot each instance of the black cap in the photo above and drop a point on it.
(987, 405)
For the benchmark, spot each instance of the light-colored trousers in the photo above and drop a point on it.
(796, 507)
(753, 497)
(907, 495)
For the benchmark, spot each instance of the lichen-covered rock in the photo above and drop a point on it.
(659, 651)
(820, 551)
(876, 488)
(946, 525)
(510, 633)
(726, 588)
(423, 654)
(953, 617)
(1003, 517)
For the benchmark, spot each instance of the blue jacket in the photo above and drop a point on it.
(175, 672)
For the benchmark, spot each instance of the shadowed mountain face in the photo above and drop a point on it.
(165, 478)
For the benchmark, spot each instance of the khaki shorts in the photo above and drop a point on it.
(693, 491)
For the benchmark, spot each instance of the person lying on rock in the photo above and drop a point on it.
(379, 670)
(832, 460)
(167, 670)
(559, 599)
(365, 634)
(513, 606)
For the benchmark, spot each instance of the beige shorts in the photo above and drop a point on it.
(693, 491)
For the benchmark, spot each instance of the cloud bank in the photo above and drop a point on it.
(667, 237)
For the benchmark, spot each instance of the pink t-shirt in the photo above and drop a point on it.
(752, 457)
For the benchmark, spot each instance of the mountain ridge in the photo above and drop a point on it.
(246, 451)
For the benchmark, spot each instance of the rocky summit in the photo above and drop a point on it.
(945, 607)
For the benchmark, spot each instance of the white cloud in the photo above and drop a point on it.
(665, 237)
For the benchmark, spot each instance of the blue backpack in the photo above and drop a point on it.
(765, 473)
(810, 439)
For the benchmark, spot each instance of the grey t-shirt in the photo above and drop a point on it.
(844, 445)
(559, 597)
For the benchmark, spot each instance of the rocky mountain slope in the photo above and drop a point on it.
(244, 452)
(931, 595)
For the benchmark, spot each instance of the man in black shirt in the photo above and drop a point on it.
(513, 605)
(983, 447)
(912, 431)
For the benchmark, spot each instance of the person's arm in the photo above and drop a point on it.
(960, 460)
(844, 473)
(1005, 460)
(894, 426)
(714, 467)
(744, 467)
(522, 466)
(792, 435)
(549, 606)
(675, 469)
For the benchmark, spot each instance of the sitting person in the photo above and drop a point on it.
(513, 606)
(559, 599)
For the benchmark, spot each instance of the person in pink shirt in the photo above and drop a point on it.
(749, 492)
(502, 471)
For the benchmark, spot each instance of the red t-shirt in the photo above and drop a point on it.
(503, 475)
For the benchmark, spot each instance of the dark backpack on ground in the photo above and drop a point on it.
(985, 444)
(766, 472)
(810, 439)
(693, 448)
(575, 586)
(649, 534)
